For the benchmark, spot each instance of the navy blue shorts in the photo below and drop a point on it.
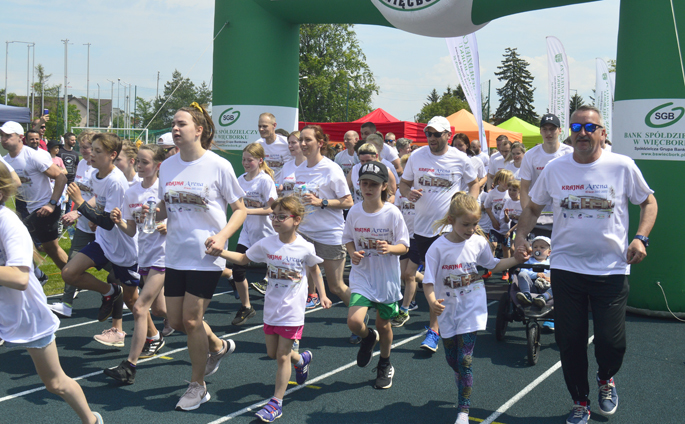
(496, 237)
(126, 275)
(413, 253)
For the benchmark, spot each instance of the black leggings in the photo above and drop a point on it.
(239, 271)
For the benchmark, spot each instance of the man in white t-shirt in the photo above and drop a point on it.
(535, 159)
(276, 151)
(432, 175)
(590, 191)
(403, 146)
(390, 139)
(481, 154)
(390, 155)
(167, 142)
(496, 161)
(348, 158)
(35, 171)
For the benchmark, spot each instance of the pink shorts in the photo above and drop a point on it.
(292, 333)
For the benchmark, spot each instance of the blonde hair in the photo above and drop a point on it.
(461, 204)
(516, 184)
(367, 149)
(7, 185)
(257, 151)
(516, 145)
(130, 150)
(110, 141)
(291, 204)
(503, 176)
(86, 136)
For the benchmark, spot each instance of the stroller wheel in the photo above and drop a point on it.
(502, 318)
(533, 335)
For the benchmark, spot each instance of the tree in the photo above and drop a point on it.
(516, 97)
(54, 127)
(576, 102)
(336, 74)
(450, 102)
(186, 93)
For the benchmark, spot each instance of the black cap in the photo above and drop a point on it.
(53, 143)
(374, 171)
(550, 118)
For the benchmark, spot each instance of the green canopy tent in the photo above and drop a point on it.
(531, 133)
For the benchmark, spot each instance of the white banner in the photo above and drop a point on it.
(464, 53)
(604, 93)
(651, 129)
(236, 125)
(558, 76)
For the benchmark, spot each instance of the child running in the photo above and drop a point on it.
(260, 192)
(289, 258)
(151, 261)
(375, 236)
(493, 207)
(456, 292)
(25, 319)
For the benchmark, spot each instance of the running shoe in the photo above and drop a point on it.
(400, 319)
(312, 301)
(152, 347)
(270, 412)
(98, 417)
(505, 276)
(168, 330)
(366, 348)
(61, 309)
(260, 286)
(111, 337)
(301, 373)
(413, 306)
(355, 339)
(431, 340)
(608, 396)
(384, 376)
(123, 373)
(214, 359)
(243, 315)
(524, 298)
(462, 418)
(580, 414)
(108, 303)
(195, 396)
(486, 275)
(539, 302)
(548, 325)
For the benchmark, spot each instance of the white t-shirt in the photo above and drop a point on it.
(590, 204)
(439, 177)
(258, 192)
(9, 167)
(346, 161)
(496, 163)
(408, 209)
(84, 173)
(276, 154)
(35, 187)
(535, 160)
(449, 264)
(197, 195)
(390, 154)
(287, 178)
(483, 156)
(326, 180)
(513, 207)
(495, 200)
(286, 293)
(24, 314)
(377, 277)
(118, 248)
(357, 194)
(150, 246)
(485, 223)
(480, 172)
(514, 170)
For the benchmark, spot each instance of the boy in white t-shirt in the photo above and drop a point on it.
(511, 210)
(493, 207)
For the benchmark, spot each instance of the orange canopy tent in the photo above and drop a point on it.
(464, 122)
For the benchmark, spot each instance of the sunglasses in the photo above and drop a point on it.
(42, 126)
(434, 134)
(589, 128)
(280, 217)
(389, 141)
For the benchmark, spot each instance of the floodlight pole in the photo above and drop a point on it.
(33, 81)
(111, 104)
(98, 123)
(88, 86)
(66, 99)
(7, 50)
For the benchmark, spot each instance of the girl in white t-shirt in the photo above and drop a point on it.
(286, 181)
(196, 188)
(260, 192)
(151, 262)
(493, 207)
(126, 161)
(456, 292)
(511, 210)
(368, 152)
(25, 319)
(514, 159)
(289, 258)
(375, 236)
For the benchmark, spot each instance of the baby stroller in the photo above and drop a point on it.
(532, 317)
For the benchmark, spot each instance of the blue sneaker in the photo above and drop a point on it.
(301, 373)
(312, 301)
(270, 412)
(548, 325)
(413, 306)
(431, 340)
(580, 414)
(608, 397)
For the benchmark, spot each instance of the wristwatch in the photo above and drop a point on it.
(53, 202)
(643, 239)
(324, 203)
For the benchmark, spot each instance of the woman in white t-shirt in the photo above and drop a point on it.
(286, 181)
(513, 160)
(126, 162)
(196, 187)
(368, 152)
(325, 198)
(289, 258)
(25, 319)
(461, 142)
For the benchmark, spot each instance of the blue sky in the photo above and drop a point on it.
(133, 39)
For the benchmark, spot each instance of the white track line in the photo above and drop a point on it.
(508, 404)
(263, 402)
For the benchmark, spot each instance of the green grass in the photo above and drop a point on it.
(55, 283)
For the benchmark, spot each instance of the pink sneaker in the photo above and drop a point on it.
(111, 337)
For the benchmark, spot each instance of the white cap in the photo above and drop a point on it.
(11, 127)
(543, 238)
(166, 140)
(440, 123)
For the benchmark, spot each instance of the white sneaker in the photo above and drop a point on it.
(214, 359)
(195, 396)
(167, 331)
(462, 418)
(61, 309)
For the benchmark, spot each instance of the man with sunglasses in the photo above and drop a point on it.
(167, 142)
(39, 125)
(590, 190)
(432, 175)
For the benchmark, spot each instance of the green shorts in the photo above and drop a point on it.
(387, 311)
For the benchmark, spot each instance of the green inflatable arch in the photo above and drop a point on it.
(256, 70)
